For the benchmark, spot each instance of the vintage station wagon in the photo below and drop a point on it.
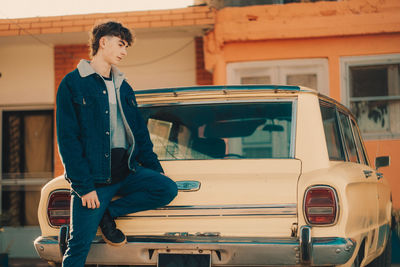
(267, 175)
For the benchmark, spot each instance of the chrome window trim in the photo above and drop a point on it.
(351, 128)
(233, 210)
(47, 205)
(341, 132)
(357, 132)
(222, 101)
(293, 130)
(336, 200)
(360, 152)
(292, 100)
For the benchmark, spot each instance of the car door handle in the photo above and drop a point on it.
(188, 185)
(379, 175)
(367, 173)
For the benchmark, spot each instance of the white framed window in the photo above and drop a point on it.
(371, 89)
(312, 73)
(26, 145)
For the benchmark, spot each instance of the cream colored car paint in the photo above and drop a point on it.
(263, 182)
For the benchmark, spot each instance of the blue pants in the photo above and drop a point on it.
(143, 190)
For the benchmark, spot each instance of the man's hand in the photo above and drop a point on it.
(90, 200)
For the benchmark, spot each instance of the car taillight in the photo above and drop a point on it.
(320, 205)
(58, 208)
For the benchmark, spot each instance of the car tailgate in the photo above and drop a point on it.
(236, 197)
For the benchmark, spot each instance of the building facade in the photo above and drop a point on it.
(349, 50)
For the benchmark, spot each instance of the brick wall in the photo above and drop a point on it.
(203, 77)
(198, 15)
(66, 57)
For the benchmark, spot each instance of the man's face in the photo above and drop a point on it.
(114, 49)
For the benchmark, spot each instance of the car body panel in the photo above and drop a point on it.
(261, 200)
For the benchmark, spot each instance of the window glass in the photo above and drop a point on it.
(350, 143)
(312, 73)
(27, 163)
(255, 80)
(375, 98)
(217, 131)
(307, 80)
(332, 133)
(361, 152)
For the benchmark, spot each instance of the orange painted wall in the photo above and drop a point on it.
(392, 173)
(328, 30)
(331, 48)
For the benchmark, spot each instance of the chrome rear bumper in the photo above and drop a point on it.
(225, 251)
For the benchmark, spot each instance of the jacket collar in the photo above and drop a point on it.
(85, 69)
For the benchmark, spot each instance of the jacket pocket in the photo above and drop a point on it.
(83, 105)
(83, 100)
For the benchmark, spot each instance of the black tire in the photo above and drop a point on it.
(385, 259)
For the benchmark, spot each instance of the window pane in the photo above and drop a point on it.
(256, 80)
(27, 154)
(348, 137)
(372, 116)
(376, 116)
(216, 131)
(307, 80)
(361, 152)
(332, 134)
(369, 81)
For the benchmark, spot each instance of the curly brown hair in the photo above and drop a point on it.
(110, 28)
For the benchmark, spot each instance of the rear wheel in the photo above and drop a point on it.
(384, 260)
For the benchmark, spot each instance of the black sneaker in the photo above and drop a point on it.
(110, 233)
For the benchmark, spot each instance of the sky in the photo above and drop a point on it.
(43, 8)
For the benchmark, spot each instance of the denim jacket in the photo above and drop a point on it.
(83, 128)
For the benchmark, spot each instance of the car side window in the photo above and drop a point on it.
(361, 151)
(332, 133)
(350, 143)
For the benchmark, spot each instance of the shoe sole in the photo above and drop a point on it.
(114, 244)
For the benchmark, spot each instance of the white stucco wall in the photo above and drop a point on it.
(178, 69)
(28, 69)
(27, 74)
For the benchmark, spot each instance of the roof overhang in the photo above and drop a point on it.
(67, 38)
(63, 30)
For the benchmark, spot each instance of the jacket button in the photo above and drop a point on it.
(104, 92)
(108, 180)
(106, 155)
(107, 133)
(106, 111)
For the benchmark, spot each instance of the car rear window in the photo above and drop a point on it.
(221, 130)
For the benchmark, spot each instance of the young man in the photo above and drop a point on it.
(105, 146)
